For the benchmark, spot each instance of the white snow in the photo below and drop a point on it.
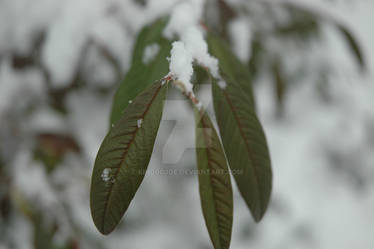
(184, 23)
(105, 175)
(196, 45)
(46, 119)
(184, 15)
(241, 37)
(150, 52)
(199, 105)
(32, 179)
(139, 123)
(97, 70)
(67, 37)
(21, 34)
(107, 32)
(14, 85)
(86, 122)
(222, 84)
(181, 64)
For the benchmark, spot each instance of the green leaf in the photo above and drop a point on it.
(245, 146)
(214, 182)
(353, 45)
(280, 86)
(124, 156)
(142, 74)
(242, 135)
(231, 69)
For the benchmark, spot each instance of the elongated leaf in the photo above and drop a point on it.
(280, 87)
(353, 45)
(242, 135)
(124, 156)
(231, 69)
(351, 40)
(245, 146)
(214, 182)
(143, 73)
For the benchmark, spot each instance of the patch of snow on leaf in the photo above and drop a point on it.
(222, 84)
(139, 123)
(150, 53)
(199, 105)
(106, 174)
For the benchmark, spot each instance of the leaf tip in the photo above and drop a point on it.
(258, 216)
(259, 211)
(102, 226)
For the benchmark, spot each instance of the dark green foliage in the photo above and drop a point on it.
(353, 45)
(142, 75)
(137, 109)
(280, 87)
(245, 146)
(214, 182)
(302, 26)
(231, 69)
(241, 132)
(125, 152)
(311, 16)
(124, 156)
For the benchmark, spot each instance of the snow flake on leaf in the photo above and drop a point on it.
(106, 174)
(139, 123)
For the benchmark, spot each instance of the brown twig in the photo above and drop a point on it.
(180, 85)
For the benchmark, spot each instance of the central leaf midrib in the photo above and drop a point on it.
(250, 152)
(124, 158)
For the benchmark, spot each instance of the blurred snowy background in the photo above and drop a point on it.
(60, 63)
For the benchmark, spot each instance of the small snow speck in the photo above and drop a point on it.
(150, 52)
(106, 174)
(139, 123)
(199, 105)
(222, 84)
